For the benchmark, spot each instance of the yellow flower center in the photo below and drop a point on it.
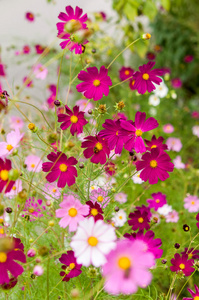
(145, 76)
(54, 190)
(1, 220)
(32, 165)
(132, 82)
(100, 198)
(63, 168)
(98, 147)
(124, 263)
(138, 132)
(157, 200)
(190, 255)
(126, 72)
(1, 231)
(182, 266)
(120, 217)
(31, 210)
(94, 212)
(72, 20)
(96, 82)
(140, 220)
(93, 241)
(9, 147)
(74, 119)
(3, 257)
(4, 175)
(153, 163)
(192, 202)
(72, 266)
(72, 212)
(14, 188)
(154, 146)
(196, 298)
(116, 133)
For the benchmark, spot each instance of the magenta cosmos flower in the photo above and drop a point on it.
(33, 208)
(60, 168)
(74, 118)
(30, 16)
(182, 263)
(125, 73)
(195, 296)
(8, 263)
(127, 268)
(71, 212)
(156, 143)
(194, 254)
(145, 78)
(70, 266)
(197, 219)
(73, 20)
(96, 84)
(158, 200)
(5, 183)
(96, 148)
(155, 165)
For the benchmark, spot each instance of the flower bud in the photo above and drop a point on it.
(31, 253)
(8, 210)
(13, 174)
(146, 36)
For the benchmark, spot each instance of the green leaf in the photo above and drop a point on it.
(141, 48)
(130, 11)
(166, 4)
(150, 9)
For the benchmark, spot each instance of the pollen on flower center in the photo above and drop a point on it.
(3, 257)
(1, 231)
(126, 72)
(96, 82)
(14, 188)
(145, 76)
(93, 241)
(182, 266)
(153, 163)
(192, 202)
(63, 168)
(120, 217)
(133, 82)
(138, 132)
(74, 119)
(124, 263)
(116, 133)
(157, 200)
(98, 147)
(196, 298)
(72, 212)
(32, 165)
(31, 210)
(140, 220)
(54, 190)
(100, 198)
(94, 212)
(154, 146)
(9, 147)
(72, 266)
(4, 175)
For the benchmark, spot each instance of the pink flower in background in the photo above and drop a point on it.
(174, 144)
(2, 70)
(195, 130)
(12, 142)
(30, 16)
(33, 208)
(176, 83)
(183, 264)
(95, 83)
(39, 49)
(52, 190)
(168, 128)
(16, 122)
(188, 58)
(194, 295)
(145, 78)
(34, 163)
(191, 203)
(70, 268)
(27, 82)
(5, 183)
(50, 101)
(158, 200)
(178, 163)
(100, 196)
(195, 114)
(71, 212)
(125, 73)
(38, 270)
(132, 84)
(121, 197)
(40, 71)
(26, 49)
(172, 217)
(85, 106)
(127, 268)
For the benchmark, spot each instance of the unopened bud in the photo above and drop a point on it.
(13, 174)
(146, 36)
(31, 126)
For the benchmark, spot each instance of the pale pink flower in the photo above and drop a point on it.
(100, 196)
(92, 241)
(174, 144)
(172, 217)
(71, 212)
(12, 142)
(168, 128)
(84, 105)
(38, 270)
(191, 203)
(40, 71)
(53, 190)
(178, 163)
(34, 163)
(16, 122)
(127, 267)
(17, 187)
(121, 197)
(195, 130)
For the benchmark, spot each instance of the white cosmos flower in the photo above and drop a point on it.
(119, 218)
(136, 178)
(161, 90)
(154, 100)
(92, 242)
(165, 210)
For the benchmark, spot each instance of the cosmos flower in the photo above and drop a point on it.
(168, 128)
(194, 295)
(2, 70)
(100, 196)
(26, 49)
(5, 183)
(195, 130)
(145, 78)
(183, 264)
(176, 83)
(60, 167)
(158, 200)
(174, 144)
(74, 118)
(12, 142)
(188, 58)
(125, 73)
(156, 143)
(95, 83)
(28, 83)
(30, 16)
(33, 163)
(92, 241)
(119, 218)
(127, 268)
(139, 220)
(154, 100)
(52, 190)
(70, 266)
(39, 49)
(172, 217)
(53, 90)
(194, 254)
(95, 210)
(178, 163)
(120, 197)
(85, 106)
(191, 203)
(17, 187)
(16, 122)
(40, 71)
(161, 90)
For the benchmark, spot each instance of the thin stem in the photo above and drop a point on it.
(40, 235)
(185, 284)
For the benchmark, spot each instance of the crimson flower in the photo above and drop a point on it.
(95, 211)
(139, 220)
(183, 264)
(125, 73)
(70, 267)
(195, 295)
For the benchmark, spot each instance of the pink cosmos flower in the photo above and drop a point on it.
(2, 70)
(172, 217)
(26, 49)
(12, 142)
(178, 163)
(17, 187)
(85, 106)
(38, 270)
(39, 49)
(183, 264)
(8, 260)
(158, 200)
(100, 196)
(95, 211)
(96, 148)
(52, 190)
(50, 101)
(71, 212)
(156, 143)
(33, 163)
(195, 130)
(195, 114)
(16, 122)
(40, 71)
(125, 73)
(74, 118)
(95, 84)
(191, 203)
(121, 197)
(33, 208)
(174, 144)
(155, 165)
(176, 83)
(70, 266)
(30, 16)
(60, 167)
(132, 84)
(5, 184)
(127, 268)
(168, 128)
(188, 58)
(28, 83)
(92, 241)
(145, 77)
(194, 295)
